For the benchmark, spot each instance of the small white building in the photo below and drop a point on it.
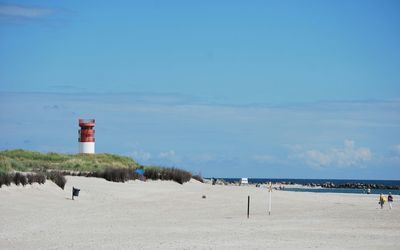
(244, 181)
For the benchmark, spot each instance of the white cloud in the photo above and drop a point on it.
(396, 149)
(141, 155)
(170, 156)
(167, 154)
(347, 156)
(24, 11)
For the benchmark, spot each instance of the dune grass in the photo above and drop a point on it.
(108, 166)
(24, 161)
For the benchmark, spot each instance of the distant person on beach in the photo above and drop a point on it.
(390, 200)
(381, 200)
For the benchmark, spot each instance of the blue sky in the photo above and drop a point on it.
(302, 89)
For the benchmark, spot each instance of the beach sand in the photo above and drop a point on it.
(166, 215)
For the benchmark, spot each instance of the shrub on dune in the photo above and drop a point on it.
(58, 178)
(118, 174)
(152, 173)
(175, 174)
(5, 179)
(180, 176)
(19, 178)
(38, 178)
(31, 178)
(198, 178)
(23, 180)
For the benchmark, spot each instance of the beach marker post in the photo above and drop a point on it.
(270, 200)
(248, 206)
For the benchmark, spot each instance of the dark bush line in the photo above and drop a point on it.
(111, 174)
(175, 174)
(24, 179)
(124, 174)
(38, 178)
(21, 179)
(117, 174)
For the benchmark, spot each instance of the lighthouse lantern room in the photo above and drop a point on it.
(86, 136)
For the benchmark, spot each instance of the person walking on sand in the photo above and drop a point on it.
(390, 200)
(381, 200)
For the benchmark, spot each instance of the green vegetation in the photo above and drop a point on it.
(54, 165)
(174, 174)
(22, 160)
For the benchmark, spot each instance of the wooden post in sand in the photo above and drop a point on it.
(248, 206)
(270, 194)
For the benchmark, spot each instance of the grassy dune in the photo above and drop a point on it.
(23, 160)
(108, 166)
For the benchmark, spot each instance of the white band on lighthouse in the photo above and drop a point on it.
(86, 147)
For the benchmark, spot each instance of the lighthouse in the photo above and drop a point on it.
(86, 136)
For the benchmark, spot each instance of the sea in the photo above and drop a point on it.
(326, 190)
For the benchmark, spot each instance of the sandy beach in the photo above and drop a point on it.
(166, 215)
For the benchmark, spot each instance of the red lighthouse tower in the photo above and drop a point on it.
(86, 136)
